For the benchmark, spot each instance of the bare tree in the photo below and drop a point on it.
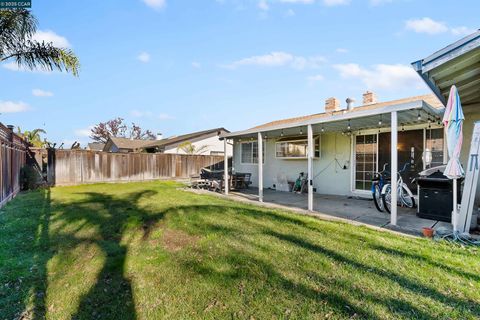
(117, 128)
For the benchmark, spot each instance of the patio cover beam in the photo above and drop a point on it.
(310, 167)
(260, 166)
(394, 176)
(225, 166)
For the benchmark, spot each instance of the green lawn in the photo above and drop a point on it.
(150, 251)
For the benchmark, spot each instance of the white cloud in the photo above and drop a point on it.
(42, 93)
(164, 116)
(139, 113)
(426, 25)
(279, 59)
(145, 113)
(432, 27)
(379, 2)
(85, 132)
(196, 65)
(462, 31)
(332, 3)
(13, 107)
(144, 57)
(155, 4)
(50, 36)
(341, 50)
(13, 66)
(263, 5)
(298, 1)
(315, 78)
(381, 76)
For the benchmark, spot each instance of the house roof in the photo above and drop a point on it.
(125, 143)
(96, 146)
(360, 118)
(429, 98)
(457, 64)
(184, 138)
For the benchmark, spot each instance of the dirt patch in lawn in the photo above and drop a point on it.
(176, 240)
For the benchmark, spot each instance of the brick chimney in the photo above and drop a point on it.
(369, 98)
(332, 105)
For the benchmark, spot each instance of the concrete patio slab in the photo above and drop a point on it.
(350, 208)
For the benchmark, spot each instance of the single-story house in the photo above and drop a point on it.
(349, 144)
(340, 149)
(125, 145)
(96, 146)
(204, 142)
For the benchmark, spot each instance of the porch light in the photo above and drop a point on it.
(380, 121)
(323, 129)
(281, 134)
(418, 116)
(266, 136)
(301, 131)
(349, 126)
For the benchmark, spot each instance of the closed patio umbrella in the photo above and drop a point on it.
(453, 122)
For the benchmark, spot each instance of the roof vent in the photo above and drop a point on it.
(350, 102)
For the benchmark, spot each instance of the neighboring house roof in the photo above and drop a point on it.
(429, 98)
(131, 144)
(457, 64)
(185, 138)
(96, 146)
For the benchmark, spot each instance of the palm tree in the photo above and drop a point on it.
(17, 28)
(190, 148)
(32, 137)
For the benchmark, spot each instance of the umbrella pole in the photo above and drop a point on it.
(454, 218)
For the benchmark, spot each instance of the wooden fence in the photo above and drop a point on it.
(12, 158)
(72, 167)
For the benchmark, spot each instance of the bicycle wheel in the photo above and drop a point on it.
(406, 197)
(377, 197)
(387, 197)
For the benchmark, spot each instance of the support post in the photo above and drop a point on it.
(225, 166)
(394, 168)
(260, 167)
(310, 154)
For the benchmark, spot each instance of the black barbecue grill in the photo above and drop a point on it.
(435, 195)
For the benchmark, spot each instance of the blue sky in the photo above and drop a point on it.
(178, 66)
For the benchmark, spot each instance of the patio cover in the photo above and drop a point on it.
(457, 64)
(361, 119)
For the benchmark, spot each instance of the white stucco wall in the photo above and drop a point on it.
(213, 143)
(329, 176)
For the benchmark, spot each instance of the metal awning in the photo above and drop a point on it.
(457, 64)
(414, 112)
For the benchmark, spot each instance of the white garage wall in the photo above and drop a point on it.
(213, 143)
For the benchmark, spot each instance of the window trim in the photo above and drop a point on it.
(252, 163)
(315, 139)
(376, 131)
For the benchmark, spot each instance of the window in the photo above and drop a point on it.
(365, 160)
(296, 149)
(433, 154)
(249, 152)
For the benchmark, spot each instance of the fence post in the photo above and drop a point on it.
(51, 166)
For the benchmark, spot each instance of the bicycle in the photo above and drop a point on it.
(405, 196)
(378, 182)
